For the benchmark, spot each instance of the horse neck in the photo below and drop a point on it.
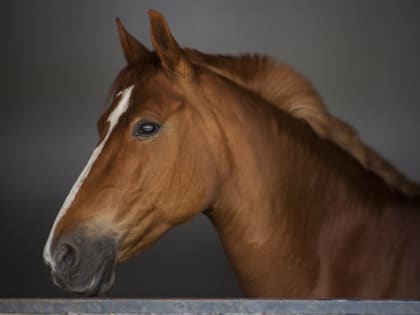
(285, 186)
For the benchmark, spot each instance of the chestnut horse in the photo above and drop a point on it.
(304, 209)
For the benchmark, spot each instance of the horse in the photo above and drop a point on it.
(304, 208)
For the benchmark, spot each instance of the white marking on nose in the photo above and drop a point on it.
(113, 119)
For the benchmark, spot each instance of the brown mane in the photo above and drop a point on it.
(290, 91)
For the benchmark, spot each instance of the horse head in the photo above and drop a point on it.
(156, 165)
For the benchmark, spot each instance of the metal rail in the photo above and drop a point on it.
(236, 306)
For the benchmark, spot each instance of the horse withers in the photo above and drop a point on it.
(303, 207)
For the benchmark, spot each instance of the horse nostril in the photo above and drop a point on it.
(66, 257)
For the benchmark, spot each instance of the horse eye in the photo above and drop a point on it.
(146, 129)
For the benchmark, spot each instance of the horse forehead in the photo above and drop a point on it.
(157, 93)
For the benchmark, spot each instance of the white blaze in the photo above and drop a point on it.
(113, 119)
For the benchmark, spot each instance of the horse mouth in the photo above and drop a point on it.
(101, 281)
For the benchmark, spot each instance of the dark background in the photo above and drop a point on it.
(58, 59)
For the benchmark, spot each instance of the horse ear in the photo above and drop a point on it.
(171, 55)
(132, 48)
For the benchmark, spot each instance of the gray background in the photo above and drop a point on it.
(58, 59)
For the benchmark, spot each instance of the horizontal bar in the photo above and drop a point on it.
(235, 306)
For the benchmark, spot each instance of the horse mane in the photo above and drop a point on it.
(287, 89)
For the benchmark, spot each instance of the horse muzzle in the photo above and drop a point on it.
(83, 264)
